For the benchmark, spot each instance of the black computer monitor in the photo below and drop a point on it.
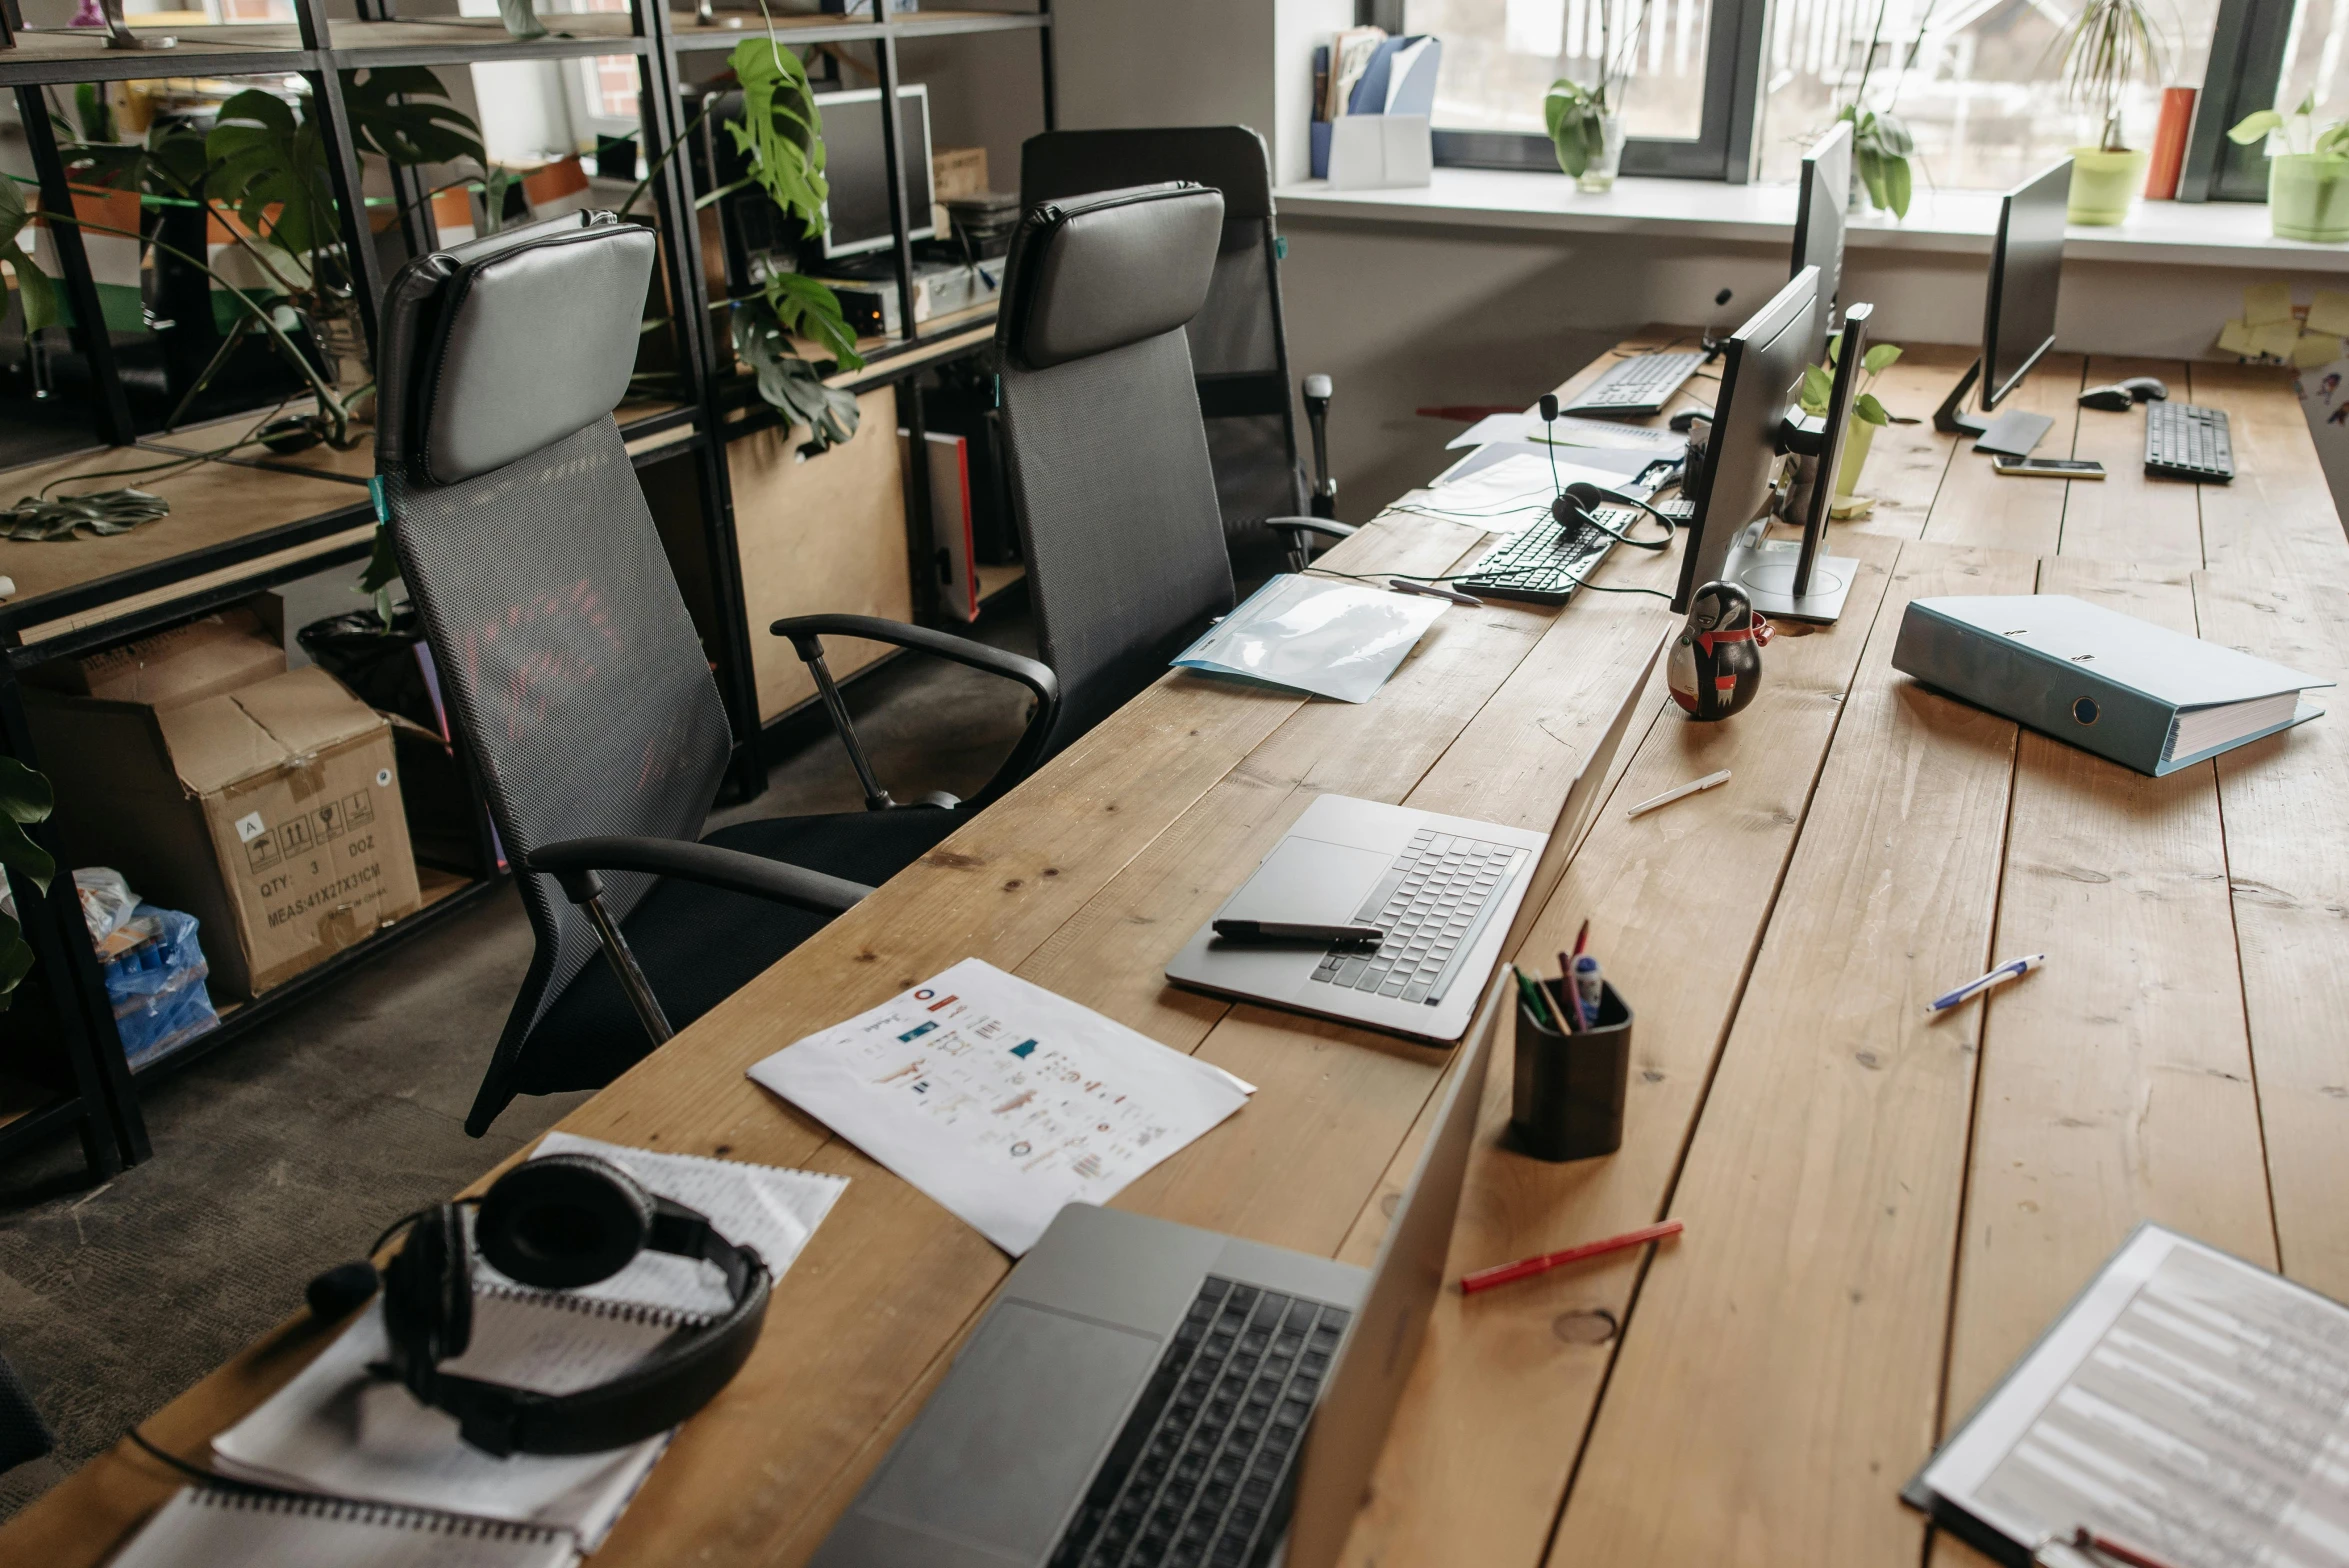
(857, 215)
(1819, 205)
(2018, 314)
(1761, 380)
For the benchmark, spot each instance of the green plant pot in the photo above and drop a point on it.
(2104, 185)
(1858, 437)
(2308, 197)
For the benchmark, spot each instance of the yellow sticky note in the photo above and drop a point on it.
(2267, 302)
(2315, 351)
(2235, 338)
(2275, 339)
(2330, 313)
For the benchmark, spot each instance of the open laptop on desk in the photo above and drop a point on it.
(1147, 1395)
(1444, 889)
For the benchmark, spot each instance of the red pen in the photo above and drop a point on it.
(1581, 941)
(2085, 1539)
(1504, 1273)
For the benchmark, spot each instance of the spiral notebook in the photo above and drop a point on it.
(259, 1531)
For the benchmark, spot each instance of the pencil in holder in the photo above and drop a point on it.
(1568, 1103)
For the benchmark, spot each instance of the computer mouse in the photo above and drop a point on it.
(2112, 399)
(1686, 420)
(2146, 389)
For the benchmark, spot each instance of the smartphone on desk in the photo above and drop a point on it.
(2049, 467)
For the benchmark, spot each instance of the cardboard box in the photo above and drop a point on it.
(186, 664)
(271, 813)
(957, 171)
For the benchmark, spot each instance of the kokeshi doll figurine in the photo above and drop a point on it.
(1716, 663)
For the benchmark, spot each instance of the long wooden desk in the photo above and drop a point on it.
(1881, 1212)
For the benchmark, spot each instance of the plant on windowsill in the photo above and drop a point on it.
(1867, 416)
(1585, 119)
(2307, 172)
(2111, 43)
(1881, 145)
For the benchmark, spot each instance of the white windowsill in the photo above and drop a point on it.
(2218, 233)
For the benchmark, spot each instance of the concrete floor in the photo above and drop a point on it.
(288, 1151)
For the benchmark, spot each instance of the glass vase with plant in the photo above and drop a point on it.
(1585, 119)
(1867, 415)
(2307, 172)
(2109, 46)
(1881, 145)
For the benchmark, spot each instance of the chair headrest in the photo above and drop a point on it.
(1228, 158)
(498, 347)
(1098, 272)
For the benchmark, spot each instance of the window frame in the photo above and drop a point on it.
(2246, 68)
(1722, 149)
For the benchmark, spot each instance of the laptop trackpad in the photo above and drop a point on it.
(1007, 1444)
(1308, 880)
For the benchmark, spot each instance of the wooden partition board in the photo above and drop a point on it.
(823, 533)
(1882, 1209)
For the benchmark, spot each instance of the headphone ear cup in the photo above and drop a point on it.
(428, 1293)
(564, 1220)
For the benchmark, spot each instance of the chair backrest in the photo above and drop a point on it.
(1239, 348)
(572, 671)
(1108, 460)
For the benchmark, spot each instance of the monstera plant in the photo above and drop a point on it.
(25, 797)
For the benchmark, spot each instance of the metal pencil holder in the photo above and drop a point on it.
(1568, 1103)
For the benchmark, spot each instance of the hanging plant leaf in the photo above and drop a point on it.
(393, 115)
(264, 160)
(1866, 407)
(1881, 358)
(809, 309)
(788, 383)
(781, 130)
(32, 284)
(25, 797)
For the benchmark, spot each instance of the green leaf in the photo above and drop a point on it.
(1872, 177)
(493, 197)
(2254, 127)
(521, 21)
(806, 307)
(96, 114)
(392, 116)
(25, 796)
(1572, 145)
(1866, 407)
(781, 131)
(1880, 358)
(16, 959)
(40, 298)
(264, 158)
(1896, 186)
(1816, 387)
(788, 383)
(19, 853)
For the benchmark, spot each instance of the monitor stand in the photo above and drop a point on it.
(1765, 569)
(2011, 434)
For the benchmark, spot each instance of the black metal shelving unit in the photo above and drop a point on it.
(90, 1089)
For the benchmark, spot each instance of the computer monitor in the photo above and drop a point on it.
(857, 215)
(1819, 205)
(1761, 378)
(2018, 314)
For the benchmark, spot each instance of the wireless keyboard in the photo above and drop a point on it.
(2184, 441)
(1546, 563)
(1642, 384)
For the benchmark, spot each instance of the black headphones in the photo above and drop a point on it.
(557, 1222)
(1576, 502)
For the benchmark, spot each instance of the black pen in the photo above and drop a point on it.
(1289, 931)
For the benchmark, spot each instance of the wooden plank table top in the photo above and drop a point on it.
(1882, 1211)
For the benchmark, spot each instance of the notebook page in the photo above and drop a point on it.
(337, 1429)
(209, 1526)
(761, 1206)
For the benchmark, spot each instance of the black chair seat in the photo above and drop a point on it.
(698, 945)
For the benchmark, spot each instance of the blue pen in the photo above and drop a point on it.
(1586, 989)
(2012, 969)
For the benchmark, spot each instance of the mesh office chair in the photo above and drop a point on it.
(1108, 460)
(572, 669)
(24, 1436)
(1239, 347)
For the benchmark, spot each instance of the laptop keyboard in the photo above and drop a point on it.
(1195, 1474)
(2185, 441)
(1642, 384)
(1433, 904)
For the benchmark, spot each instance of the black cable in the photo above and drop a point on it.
(205, 1477)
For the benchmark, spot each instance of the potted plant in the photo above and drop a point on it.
(2110, 44)
(1585, 119)
(1867, 413)
(2307, 176)
(1881, 145)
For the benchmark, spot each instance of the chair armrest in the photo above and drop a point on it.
(807, 633)
(1311, 525)
(575, 862)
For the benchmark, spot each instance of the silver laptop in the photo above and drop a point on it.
(1444, 889)
(1149, 1395)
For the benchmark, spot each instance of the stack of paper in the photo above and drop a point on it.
(1314, 635)
(1001, 1100)
(260, 1531)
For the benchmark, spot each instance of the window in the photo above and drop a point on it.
(1682, 110)
(1978, 82)
(2264, 54)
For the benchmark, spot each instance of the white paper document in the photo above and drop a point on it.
(1315, 634)
(1001, 1100)
(339, 1430)
(210, 1525)
(2188, 1404)
(761, 1206)
(1570, 430)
